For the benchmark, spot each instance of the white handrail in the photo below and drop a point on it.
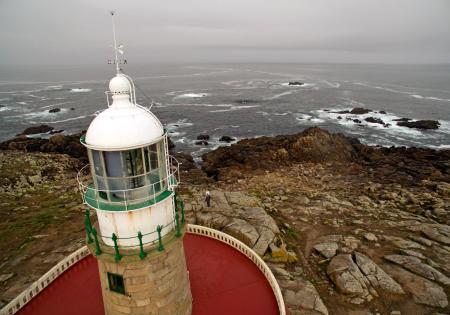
(247, 251)
(23, 298)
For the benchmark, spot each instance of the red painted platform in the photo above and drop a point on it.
(223, 281)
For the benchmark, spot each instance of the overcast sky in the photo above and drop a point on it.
(191, 31)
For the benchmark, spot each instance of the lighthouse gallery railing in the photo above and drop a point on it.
(125, 199)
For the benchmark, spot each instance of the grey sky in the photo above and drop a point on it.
(372, 31)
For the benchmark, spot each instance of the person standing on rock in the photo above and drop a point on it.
(208, 198)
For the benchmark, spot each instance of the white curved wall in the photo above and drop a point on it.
(128, 223)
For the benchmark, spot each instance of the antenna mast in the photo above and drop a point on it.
(116, 48)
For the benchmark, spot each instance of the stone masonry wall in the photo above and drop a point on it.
(158, 284)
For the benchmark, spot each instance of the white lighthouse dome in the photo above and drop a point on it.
(124, 125)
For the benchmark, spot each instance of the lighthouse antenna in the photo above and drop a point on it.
(116, 48)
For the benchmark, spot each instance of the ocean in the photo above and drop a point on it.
(240, 100)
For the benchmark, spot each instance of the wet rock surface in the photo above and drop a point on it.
(420, 124)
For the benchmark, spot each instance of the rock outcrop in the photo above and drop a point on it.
(360, 279)
(420, 124)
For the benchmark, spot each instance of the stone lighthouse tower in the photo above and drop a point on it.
(138, 236)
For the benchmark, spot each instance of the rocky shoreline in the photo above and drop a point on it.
(346, 228)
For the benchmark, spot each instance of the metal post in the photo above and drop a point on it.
(177, 221)
(88, 226)
(98, 250)
(175, 201)
(142, 254)
(116, 248)
(182, 210)
(161, 246)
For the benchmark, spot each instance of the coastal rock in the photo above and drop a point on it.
(443, 189)
(402, 243)
(226, 139)
(203, 137)
(295, 83)
(360, 111)
(301, 296)
(201, 142)
(347, 277)
(36, 129)
(420, 124)
(415, 265)
(312, 145)
(377, 277)
(327, 250)
(243, 231)
(438, 232)
(212, 219)
(375, 120)
(6, 276)
(424, 291)
(370, 237)
(239, 199)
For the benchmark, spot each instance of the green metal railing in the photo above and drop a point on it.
(92, 234)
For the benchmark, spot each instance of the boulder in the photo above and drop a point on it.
(203, 137)
(370, 237)
(360, 111)
(375, 120)
(201, 142)
(296, 83)
(420, 124)
(54, 110)
(349, 280)
(265, 239)
(226, 139)
(377, 277)
(327, 250)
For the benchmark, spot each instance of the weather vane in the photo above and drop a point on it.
(118, 49)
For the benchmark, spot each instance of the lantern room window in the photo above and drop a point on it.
(132, 174)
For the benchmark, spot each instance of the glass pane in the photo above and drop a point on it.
(134, 163)
(113, 164)
(153, 152)
(97, 161)
(134, 167)
(147, 159)
(162, 164)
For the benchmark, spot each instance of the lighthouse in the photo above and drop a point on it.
(137, 238)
